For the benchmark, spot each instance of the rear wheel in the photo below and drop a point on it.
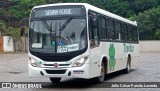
(128, 66)
(55, 80)
(101, 78)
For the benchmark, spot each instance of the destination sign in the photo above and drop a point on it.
(57, 12)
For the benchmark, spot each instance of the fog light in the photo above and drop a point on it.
(69, 73)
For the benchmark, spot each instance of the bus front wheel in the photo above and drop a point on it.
(55, 80)
(101, 78)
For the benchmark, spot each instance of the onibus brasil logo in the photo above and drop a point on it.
(112, 60)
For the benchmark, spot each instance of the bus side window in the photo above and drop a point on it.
(135, 34)
(130, 33)
(124, 32)
(102, 27)
(110, 29)
(93, 30)
(117, 30)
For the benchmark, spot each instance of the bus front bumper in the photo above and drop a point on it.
(72, 72)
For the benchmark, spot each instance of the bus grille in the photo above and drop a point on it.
(55, 71)
(56, 58)
(53, 64)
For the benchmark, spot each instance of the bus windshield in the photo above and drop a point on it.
(58, 35)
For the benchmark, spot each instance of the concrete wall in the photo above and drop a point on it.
(8, 45)
(22, 44)
(149, 46)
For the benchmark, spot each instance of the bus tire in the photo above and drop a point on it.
(55, 80)
(101, 78)
(128, 66)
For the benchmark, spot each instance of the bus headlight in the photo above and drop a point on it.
(33, 62)
(81, 61)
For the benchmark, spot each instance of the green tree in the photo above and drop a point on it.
(2, 26)
(157, 34)
(3, 14)
(143, 11)
(123, 9)
(54, 1)
(143, 5)
(14, 32)
(22, 8)
(149, 23)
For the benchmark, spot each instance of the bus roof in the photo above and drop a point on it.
(93, 8)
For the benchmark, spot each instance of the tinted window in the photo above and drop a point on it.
(102, 27)
(124, 31)
(135, 34)
(130, 33)
(110, 29)
(117, 30)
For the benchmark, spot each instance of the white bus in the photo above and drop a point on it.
(78, 40)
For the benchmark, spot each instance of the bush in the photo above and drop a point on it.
(14, 32)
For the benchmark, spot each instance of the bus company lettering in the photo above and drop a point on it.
(128, 48)
(58, 12)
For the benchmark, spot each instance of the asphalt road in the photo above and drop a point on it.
(13, 68)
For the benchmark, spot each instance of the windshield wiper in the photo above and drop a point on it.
(46, 25)
(49, 28)
(65, 24)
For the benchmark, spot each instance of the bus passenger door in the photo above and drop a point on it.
(94, 45)
(93, 30)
